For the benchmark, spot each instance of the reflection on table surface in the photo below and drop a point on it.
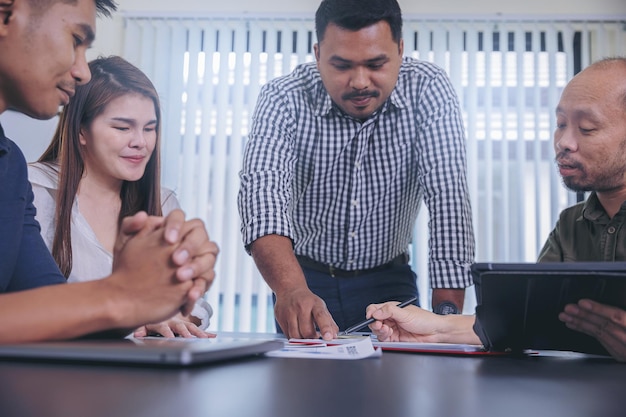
(398, 384)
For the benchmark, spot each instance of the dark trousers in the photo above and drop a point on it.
(347, 297)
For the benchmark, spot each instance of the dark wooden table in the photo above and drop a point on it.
(398, 384)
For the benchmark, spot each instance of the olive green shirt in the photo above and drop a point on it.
(584, 232)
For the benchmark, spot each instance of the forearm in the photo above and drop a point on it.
(457, 328)
(275, 259)
(299, 312)
(63, 311)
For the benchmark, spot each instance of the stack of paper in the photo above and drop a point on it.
(353, 348)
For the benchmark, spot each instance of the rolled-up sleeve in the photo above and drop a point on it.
(265, 190)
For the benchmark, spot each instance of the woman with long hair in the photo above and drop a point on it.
(102, 165)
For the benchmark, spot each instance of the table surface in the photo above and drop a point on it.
(397, 384)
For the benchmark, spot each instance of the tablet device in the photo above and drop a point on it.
(518, 304)
(143, 351)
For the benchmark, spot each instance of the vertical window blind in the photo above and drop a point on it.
(508, 74)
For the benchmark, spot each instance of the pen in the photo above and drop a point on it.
(364, 323)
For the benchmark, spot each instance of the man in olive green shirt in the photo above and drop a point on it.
(590, 145)
(585, 232)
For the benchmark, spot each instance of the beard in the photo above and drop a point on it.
(571, 184)
(606, 177)
(601, 182)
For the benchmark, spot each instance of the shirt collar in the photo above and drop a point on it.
(593, 210)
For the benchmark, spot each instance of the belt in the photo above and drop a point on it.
(309, 263)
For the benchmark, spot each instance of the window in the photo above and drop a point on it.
(508, 75)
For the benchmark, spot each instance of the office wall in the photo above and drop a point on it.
(408, 6)
(109, 40)
(32, 136)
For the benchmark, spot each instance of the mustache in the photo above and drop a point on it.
(562, 158)
(360, 94)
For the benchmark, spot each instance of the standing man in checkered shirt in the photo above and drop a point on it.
(341, 154)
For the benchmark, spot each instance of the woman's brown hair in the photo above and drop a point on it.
(111, 77)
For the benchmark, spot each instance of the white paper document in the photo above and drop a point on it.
(354, 348)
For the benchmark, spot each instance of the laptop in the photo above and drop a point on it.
(143, 351)
(518, 304)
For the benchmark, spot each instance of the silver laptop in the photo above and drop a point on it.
(144, 351)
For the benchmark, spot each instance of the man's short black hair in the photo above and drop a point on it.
(358, 14)
(106, 7)
(103, 7)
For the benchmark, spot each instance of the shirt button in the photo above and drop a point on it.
(355, 203)
(611, 230)
(352, 234)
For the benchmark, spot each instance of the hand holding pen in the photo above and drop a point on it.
(369, 321)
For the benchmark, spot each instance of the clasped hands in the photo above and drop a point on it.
(163, 254)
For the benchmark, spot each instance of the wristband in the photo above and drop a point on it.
(445, 308)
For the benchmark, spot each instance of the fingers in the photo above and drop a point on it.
(384, 315)
(141, 332)
(194, 331)
(296, 327)
(607, 324)
(300, 313)
(173, 224)
(614, 314)
(588, 317)
(192, 238)
(160, 328)
(201, 266)
(199, 288)
(181, 329)
(129, 227)
(327, 327)
(303, 325)
(380, 312)
(190, 254)
(369, 310)
(172, 328)
(382, 331)
(395, 324)
(196, 254)
(138, 224)
(133, 224)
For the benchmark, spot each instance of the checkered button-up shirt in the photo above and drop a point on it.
(347, 192)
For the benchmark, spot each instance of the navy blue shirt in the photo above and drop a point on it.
(25, 261)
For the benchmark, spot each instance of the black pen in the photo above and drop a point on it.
(364, 323)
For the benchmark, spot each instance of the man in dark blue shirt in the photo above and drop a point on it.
(24, 260)
(42, 50)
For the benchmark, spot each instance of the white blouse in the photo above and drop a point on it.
(90, 260)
